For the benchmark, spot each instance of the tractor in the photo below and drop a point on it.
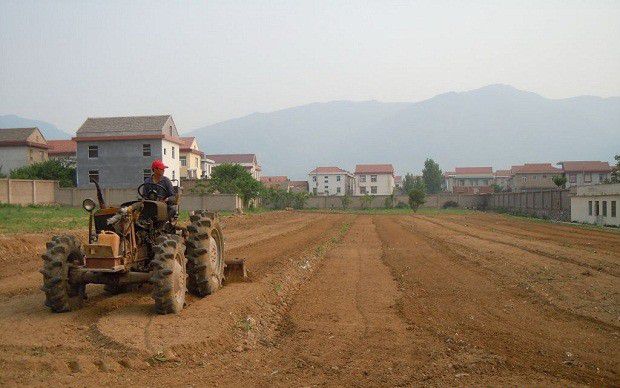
(135, 243)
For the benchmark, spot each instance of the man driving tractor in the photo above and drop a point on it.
(165, 192)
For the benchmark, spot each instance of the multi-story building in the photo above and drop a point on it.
(469, 180)
(374, 179)
(533, 176)
(190, 159)
(207, 167)
(331, 181)
(118, 151)
(585, 173)
(63, 150)
(21, 147)
(248, 161)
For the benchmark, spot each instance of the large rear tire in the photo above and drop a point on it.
(168, 274)
(205, 254)
(63, 253)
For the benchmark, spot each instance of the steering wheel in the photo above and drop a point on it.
(152, 191)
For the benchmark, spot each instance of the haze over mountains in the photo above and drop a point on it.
(496, 125)
(49, 130)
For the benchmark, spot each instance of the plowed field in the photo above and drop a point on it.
(341, 300)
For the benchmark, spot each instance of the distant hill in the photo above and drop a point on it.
(49, 130)
(495, 125)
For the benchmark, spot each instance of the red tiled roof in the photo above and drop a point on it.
(502, 173)
(374, 169)
(273, 179)
(398, 178)
(536, 168)
(62, 147)
(232, 158)
(303, 184)
(583, 166)
(186, 142)
(472, 170)
(328, 170)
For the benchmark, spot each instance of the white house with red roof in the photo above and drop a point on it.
(248, 161)
(585, 173)
(63, 150)
(374, 179)
(331, 181)
(469, 180)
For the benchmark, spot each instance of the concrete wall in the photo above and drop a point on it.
(335, 202)
(466, 201)
(26, 192)
(553, 204)
(75, 196)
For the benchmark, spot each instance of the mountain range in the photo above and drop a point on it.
(50, 131)
(496, 125)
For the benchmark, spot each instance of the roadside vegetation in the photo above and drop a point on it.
(49, 170)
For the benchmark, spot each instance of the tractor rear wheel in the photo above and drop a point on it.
(205, 254)
(63, 253)
(168, 274)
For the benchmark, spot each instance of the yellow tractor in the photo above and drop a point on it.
(135, 243)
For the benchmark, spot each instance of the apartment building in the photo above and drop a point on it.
(331, 181)
(374, 179)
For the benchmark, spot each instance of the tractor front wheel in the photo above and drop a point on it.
(63, 253)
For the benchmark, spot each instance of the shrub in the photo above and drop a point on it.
(50, 169)
(346, 201)
(416, 198)
(449, 204)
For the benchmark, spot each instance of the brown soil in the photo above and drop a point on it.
(447, 300)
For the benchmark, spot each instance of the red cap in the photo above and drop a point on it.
(157, 163)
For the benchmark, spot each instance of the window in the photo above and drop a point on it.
(596, 212)
(314, 178)
(572, 178)
(147, 173)
(613, 208)
(326, 177)
(93, 176)
(337, 178)
(524, 179)
(590, 208)
(587, 177)
(183, 160)
(164, 150)
(601, 177)
(544, 176)
(173, 152)
(338, 190)
(362, 178)
(363, 189)
(326, 187)
(373, 189)
(604, 208)
(146, 150)
(174, 174)
(534, 177)
(373, 178)
(93, 152)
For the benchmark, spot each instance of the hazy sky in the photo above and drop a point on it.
(207, 61)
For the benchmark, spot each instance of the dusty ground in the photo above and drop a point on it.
(341, 299)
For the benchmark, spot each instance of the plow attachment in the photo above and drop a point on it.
(235, 271)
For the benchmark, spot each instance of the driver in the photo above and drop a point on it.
(158, 177)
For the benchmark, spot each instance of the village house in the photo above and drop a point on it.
(207, 166)
(583, 173)
(190, 159)
(63, 150)
(276, 182)
(331, 181)
(469, 180)
(596, 204)
(533, 176)
(502, 178)
(21, 147)
(248, 161)
(118, 151)
(374, 179)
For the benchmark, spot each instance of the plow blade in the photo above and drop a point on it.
(235, 271)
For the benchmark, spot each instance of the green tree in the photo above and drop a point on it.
(497, 188)
(432, 175)
(234, 179)
(346, 201)
(408, 182)
(417, 197)
(559, 180)
(615, 175)
(49, 169)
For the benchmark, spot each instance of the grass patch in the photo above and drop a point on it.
(39, 218)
